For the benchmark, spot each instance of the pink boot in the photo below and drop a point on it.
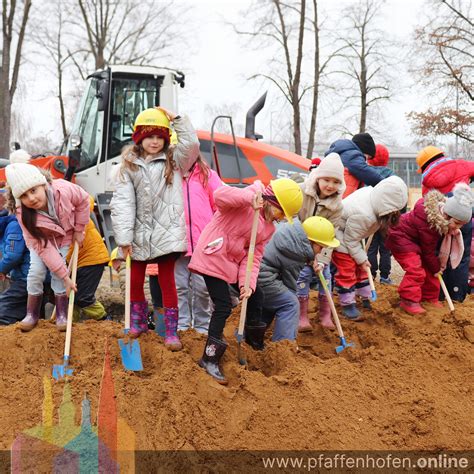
(304, 324)
(325, 318)
(138, 318)
(411, 307)
(172, 341)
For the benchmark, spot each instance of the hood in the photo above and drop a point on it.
(291, 241)
(5, 219)
(434, 217)
(390, 195)
(311, 189)
(342, 146)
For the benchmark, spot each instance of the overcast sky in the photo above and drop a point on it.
(218, 69)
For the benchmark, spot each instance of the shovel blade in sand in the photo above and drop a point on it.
(62, 370)
(131, 355)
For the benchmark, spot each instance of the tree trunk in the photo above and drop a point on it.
(5, 99)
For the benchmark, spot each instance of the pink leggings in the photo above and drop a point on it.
(165, 278)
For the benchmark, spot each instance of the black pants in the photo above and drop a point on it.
(155, 290)
(13, 303)
(384, 265)
(220, 295)
(88, 279)
(457, 280)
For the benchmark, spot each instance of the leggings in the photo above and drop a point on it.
(220, 295)
(165, 278)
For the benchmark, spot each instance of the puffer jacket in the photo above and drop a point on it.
(471, 262)
(420, 231)
(71, 204)
(329, 208)
(357, 172)
(285, 255)
(443, 173)
(146, 212)
(15, 258)
(199, 204)
(362, 210)
(222, 249)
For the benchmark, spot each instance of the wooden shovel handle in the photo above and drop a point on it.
(128, 273)
(446, 292)
(70, 309)
(331, 304)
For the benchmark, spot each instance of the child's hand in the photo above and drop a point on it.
(366, 266)
(257, 201)
(317, 266)
(79, 238)
(245, 293)
(116, 264)
(171, 115)
(126, 250)
(69, 285)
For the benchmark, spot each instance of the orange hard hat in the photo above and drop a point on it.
(426, 155)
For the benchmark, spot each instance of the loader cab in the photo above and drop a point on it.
(104, 122)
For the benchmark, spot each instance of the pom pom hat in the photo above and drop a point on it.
(21, 177)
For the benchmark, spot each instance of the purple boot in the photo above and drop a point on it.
(62, 302)
(138, 318)
(172, 341)
(33, 307)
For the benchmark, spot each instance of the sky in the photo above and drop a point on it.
(218, 69)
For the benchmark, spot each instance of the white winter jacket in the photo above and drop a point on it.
(146, 212)
(361, 211)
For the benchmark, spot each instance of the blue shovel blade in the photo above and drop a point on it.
(62, 370)
(374, 295)
(343, 345)
(131, 355)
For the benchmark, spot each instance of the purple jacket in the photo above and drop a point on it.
(222, 249)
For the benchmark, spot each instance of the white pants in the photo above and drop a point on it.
(194, 303)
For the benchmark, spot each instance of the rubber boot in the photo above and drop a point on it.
(172, 341)
(62, 302)
(325, 318)
(435, 303)
(366, 304)
(159, 319)
(138, 318)
(254, 335)
(411, 307)
(76, 314)
(94, 311)
(213, 352)
(351, 312)
(304, 324)
(33, 308)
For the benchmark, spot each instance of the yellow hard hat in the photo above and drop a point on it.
(113, 256)
(173, 138)
(289, 196)
(320, 230)
(426, 155)
(152, 118)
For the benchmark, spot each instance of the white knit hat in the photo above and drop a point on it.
(22, 176)
(331, 167)
(459, 205)
(19, 156)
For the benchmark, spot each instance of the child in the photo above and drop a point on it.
(221, 257)
(366, 211)
(193, 299)
(92, 257)
(14, 263)
(380, 257)
(414, 243)
(291, 247)
(148, 212)
(52, 217)
(322, 196)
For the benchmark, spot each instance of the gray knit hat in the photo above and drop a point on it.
(459, 205)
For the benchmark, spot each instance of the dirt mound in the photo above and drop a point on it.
(406, 385)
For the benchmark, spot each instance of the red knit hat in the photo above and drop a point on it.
(381, 156)
(269, 195)
(144, 131)
(315, 162)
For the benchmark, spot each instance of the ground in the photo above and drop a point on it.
(407, 384)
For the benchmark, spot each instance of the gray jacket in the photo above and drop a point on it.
(285, 255)
(148, 213)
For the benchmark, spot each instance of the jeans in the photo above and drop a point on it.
(383, 264)
(286, 310)
(37, 274)
(193, 298)
(304, 280)
(13, 302)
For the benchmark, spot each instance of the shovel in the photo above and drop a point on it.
(60, 371)
(129, 350)
(344, 343)
(369, 273)
(248, 274)
(446, 293)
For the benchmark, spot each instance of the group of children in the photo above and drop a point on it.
(176, 220)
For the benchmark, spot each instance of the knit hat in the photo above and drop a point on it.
(331, 167)
(269, 195)
(315, 162)
(381, 156)
(365, 142)
(20, 156)
(459, 205)
(21, 177)
(144, 131)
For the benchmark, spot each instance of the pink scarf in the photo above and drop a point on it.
(452, 248)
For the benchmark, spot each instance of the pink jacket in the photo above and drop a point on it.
(471, 263)
(222, 249)
(73, 211)
(199, 206)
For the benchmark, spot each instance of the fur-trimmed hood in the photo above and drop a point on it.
(432, 202)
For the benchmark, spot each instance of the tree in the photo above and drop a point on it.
(447, 42)
(10, 71)
(365, 57)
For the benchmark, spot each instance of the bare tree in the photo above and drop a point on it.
(447, 42)
(365, 57)
(9, 72)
